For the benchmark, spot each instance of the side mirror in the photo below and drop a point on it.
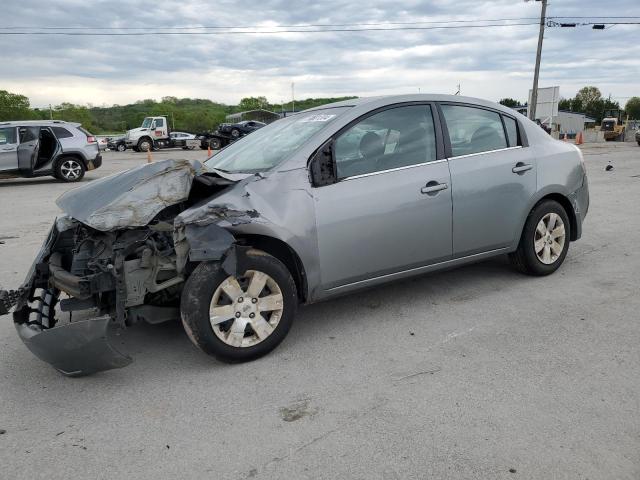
(322, 167)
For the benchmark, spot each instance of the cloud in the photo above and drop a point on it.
(490, 63)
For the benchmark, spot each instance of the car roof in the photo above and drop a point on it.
(380, 101)
(27, 123)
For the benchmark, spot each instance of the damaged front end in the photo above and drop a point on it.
(118, 257)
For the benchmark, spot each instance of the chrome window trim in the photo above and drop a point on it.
(484, 153)
(354, 177)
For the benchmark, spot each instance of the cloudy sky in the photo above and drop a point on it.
(487, 62)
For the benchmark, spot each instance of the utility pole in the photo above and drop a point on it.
(50, 113)
(536, 75)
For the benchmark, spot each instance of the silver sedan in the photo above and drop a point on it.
(325, 202)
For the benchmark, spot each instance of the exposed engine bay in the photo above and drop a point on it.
(121, 255)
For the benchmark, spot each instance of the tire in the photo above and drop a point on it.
(69, 169)
(206, 286)
(121, 147)
(529, 258)
(215, 143)
(145, 144)
(235, 133)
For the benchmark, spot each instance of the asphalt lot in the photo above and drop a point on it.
(478, 372)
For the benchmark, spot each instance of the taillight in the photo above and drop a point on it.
(91, 139)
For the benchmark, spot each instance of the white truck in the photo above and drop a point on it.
(154, 133)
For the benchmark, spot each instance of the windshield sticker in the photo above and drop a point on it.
(317, 118)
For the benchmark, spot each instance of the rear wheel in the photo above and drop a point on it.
(545, 240)
(122, 147)
(215, 143)
(69, 169)
(239, 317)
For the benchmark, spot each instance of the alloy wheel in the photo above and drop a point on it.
(246, 310)
(71, 170)
(549, 238)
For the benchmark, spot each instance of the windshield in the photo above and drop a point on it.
(267, 147)
(147, 122)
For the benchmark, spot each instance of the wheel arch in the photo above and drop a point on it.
(283, 252)
(564, 201)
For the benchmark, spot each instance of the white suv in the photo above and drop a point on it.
(37, 148)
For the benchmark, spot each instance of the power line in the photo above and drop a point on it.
(308, 25)
(264, 32)
(311, 25)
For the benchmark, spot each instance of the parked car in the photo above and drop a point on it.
(179, 139)
(38, 148)
(240, 128)
(117, 143)
(329, 201)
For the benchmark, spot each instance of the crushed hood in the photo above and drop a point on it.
(131, 198)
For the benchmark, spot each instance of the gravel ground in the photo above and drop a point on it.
(477, 372)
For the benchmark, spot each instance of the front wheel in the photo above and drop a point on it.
(235, 133)
(215, 143)
(239, 317)
(545, 240)
(145, 145)
(121, 147)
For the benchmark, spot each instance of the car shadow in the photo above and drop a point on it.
(147, 343)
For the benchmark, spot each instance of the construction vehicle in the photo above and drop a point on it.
(613, 125)
(154, 133)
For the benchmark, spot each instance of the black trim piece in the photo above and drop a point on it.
(445, 132)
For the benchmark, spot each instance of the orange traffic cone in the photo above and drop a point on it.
(579, 139)
(149, 157)
(564, 139)
(209, 150)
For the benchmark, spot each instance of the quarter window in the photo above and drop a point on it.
(8, 136)
(512, 131)
(61, 132)
(394, 138)
(473, 130)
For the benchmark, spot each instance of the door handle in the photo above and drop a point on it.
(521, 167)
(433, 188)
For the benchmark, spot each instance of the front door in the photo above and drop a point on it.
(493, 178)
(8, 148)
(390, 209)
(28, 149)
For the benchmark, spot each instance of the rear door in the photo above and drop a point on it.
(493, 177)
(8, 148)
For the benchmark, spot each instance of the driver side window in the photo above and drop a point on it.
(394, 138)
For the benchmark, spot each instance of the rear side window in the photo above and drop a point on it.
(8, 136)
(61, 132)
(512, 131)
(473, 130)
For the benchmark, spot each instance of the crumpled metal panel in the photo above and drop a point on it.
(131, 198)
(77, 349)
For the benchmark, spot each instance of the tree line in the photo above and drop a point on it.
(183, 114)
(199, 115)
(589, 100)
